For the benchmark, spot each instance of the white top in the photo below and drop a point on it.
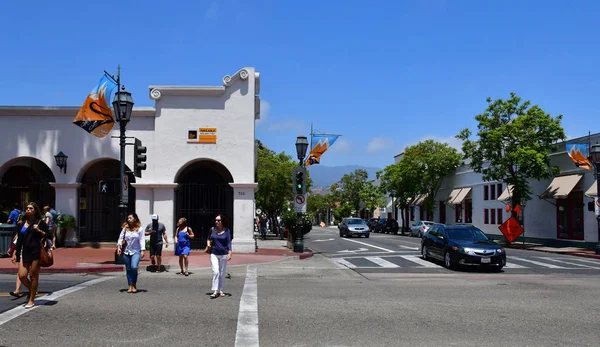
(136, 240)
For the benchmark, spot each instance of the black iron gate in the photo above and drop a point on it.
(22, 184)
(200, 203)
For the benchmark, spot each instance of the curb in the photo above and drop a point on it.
(306, 254)
(68, 269)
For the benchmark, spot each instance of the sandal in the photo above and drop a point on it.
(221, 293)
(15, 294)
(186, 273)
(214, 295)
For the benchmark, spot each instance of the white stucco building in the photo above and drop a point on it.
(200, 160)
(557, 213)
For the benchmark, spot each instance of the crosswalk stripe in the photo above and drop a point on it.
(417, 259)
(346, 263)
(570, 263)
(382, 262)
(550, 266)
(595, 262)
(514, 266)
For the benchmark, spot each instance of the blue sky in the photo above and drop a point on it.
(384, 74)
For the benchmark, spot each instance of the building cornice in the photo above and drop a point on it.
(65, 185)
(155, 185)
(244, 185)
(61, 111)
(156, 92)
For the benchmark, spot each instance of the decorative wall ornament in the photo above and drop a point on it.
(228, 80)
(155, 94)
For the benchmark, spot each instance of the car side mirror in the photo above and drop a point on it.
(440, 237)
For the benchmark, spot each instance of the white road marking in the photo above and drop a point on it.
(514, 266)
(323, 240)
(20, 310)
(354, 251)
(595, 262)
(550, 266)
(345, 263)
(417, 259)
(247, 324)
(570, 263)
(366, 244)
(382, 262)
(409, 247)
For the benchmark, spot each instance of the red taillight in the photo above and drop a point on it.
(424, 227)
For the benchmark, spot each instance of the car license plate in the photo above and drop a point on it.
(486, 260)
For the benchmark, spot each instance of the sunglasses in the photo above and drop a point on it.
(217, 220)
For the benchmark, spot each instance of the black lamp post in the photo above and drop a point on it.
(301, 147)
(61, 161)
(123, 106)
(595, 156)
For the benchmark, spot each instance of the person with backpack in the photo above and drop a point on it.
(13, 216)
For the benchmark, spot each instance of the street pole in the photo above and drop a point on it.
(299, 241)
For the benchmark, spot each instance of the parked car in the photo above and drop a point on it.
(371, 223)
(379, 225)
(462, 244)
(353, 226)
(391, 226)
(420, 228)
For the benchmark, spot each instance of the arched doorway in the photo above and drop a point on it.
(99, 219)
(203, 192)
(23, 180)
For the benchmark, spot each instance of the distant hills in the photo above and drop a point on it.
(325, 176)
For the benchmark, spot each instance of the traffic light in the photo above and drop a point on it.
(139, 158)
(299, 180)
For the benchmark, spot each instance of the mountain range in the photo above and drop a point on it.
(324, 176)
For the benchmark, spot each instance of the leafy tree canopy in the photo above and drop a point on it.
(513, 142)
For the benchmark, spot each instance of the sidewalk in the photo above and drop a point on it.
(574, 251)
(99, 260)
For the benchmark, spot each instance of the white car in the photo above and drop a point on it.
(420, 228)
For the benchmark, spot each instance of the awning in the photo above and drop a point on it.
(593, 191)
(419, 200)
(506, 194)
(560, 187)
(453, 194)
(389, 205)
(461, 196)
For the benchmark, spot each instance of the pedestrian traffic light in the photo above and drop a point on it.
(139, 158)
(299, 180)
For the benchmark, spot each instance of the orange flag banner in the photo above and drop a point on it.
(95, 115)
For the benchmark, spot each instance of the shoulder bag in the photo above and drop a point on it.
(210, 238)
(46, 254)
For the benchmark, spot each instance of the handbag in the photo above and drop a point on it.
(124, 242)
(208, 247)
(46, 255)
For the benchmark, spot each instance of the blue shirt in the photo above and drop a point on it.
(221, 244)
(13, 216)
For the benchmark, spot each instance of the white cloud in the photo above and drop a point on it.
(265, 110)
(450, 140)
(288, 125)
(212, 11)
(341, 146)
(379, 144)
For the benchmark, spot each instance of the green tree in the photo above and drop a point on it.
(352, 186)
(372, 196)
(432, 161)
(317, 205)
(514, 139)
(403, 181)
(274, 177)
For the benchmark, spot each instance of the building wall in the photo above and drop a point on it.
(231, 108)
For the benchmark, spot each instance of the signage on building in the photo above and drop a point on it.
(202, 135)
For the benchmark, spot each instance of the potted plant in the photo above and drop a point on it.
(65, 235)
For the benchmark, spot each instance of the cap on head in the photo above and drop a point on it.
(154, 217)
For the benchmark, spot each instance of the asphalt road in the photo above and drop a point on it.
(314, 302)
(385, 253)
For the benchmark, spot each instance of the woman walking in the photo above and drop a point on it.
(183, 234)
(132, 249)
(31, 239)
(220, 254)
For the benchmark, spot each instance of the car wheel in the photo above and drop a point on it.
(448, 260)
(341, 235)
(420, 235)
(424, 252)
(367, 236)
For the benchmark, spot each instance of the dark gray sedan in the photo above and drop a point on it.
(353, 226)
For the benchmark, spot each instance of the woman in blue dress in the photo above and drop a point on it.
(183, 234)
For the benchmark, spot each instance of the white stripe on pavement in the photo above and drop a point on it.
(20, 310)
(514, 266)
(595, 262)
(382, 262)
(345, 263)
(417, 259)
(570, 263)
(409, 247)
(550, 266)
(247, 324)
(366, 244)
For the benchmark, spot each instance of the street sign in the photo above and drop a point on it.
(258, 211)
(125, 191)
(300, 203)
(597, 207)
(108, 186)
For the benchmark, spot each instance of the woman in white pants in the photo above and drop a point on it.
(220, 254)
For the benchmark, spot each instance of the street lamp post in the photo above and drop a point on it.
(595, 156)
(301, 147)
(123, 106)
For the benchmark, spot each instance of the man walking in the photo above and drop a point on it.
(157, 232)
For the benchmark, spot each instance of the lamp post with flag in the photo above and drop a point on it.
(300, 190)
